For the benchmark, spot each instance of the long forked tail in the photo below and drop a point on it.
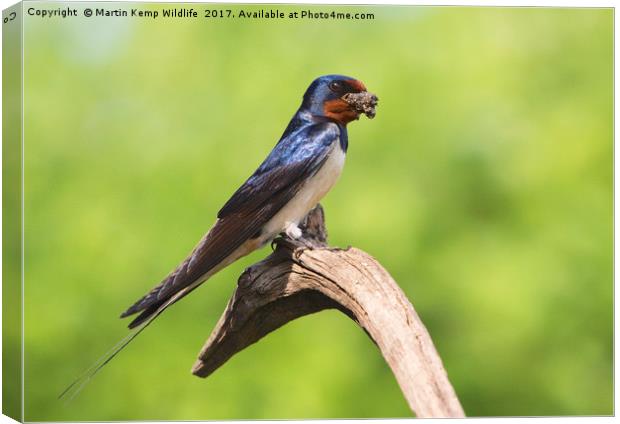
(83, 379)
(210, 256)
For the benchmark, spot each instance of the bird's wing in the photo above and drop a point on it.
(273, 184)
(290, 162)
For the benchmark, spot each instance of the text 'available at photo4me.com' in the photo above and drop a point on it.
(197, 12)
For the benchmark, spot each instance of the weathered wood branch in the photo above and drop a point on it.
(295, 281)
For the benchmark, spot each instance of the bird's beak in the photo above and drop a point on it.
(362, 102)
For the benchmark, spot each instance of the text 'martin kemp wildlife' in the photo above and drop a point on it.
(299, 171)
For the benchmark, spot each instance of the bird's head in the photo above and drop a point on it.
(339, 98)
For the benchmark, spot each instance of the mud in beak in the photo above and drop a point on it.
(363, 102)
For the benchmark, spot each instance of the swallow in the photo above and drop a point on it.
(299, 171)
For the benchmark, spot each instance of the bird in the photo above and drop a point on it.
(299, 171)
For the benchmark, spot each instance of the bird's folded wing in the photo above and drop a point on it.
(289, 164)
(273, 184)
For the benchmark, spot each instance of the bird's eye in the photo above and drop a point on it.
(335, 86)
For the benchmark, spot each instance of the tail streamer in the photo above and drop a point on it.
(83, 379)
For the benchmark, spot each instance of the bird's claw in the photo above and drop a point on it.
(298, 252)
(297, 246)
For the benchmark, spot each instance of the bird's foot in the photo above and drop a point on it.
(296, 246)
(293, 231)
(285, 241)
(292, 239)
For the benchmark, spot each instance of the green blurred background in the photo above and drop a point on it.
(484, 186)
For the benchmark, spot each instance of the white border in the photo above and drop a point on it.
(547, 3)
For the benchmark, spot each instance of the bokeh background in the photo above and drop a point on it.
(484, 185)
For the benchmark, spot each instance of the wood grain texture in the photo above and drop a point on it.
(300, 278)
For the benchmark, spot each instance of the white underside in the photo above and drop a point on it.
(308, 196)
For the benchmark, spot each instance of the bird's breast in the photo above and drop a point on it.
(313, 190)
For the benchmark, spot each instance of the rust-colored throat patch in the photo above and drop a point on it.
(363, 102)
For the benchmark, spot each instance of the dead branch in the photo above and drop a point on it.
(295, 281)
